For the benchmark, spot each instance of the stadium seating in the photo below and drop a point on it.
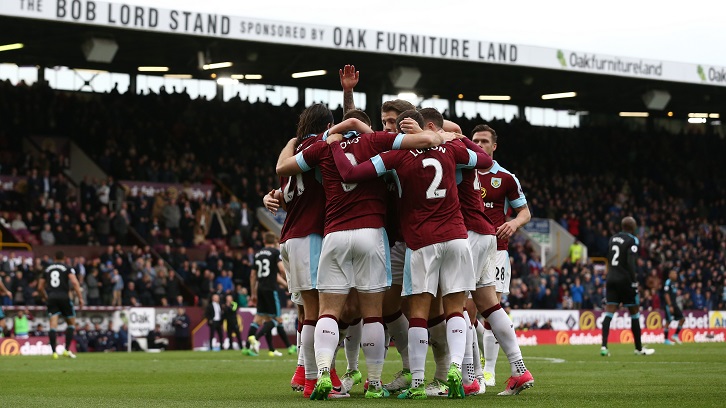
(587, 179)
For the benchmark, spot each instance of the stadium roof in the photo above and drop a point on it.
(51, 43)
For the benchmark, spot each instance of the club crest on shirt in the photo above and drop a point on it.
(483, 192)
(496, 182)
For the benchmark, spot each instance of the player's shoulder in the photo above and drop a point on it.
(55, 266)
(632, 239)
(502, 172)
(307, 142)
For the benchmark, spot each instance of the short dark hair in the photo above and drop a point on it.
(411, 113)
(59, 255)
(432, 115)
(398, 105)
(313, 120)
(358, 114)
(485, 128)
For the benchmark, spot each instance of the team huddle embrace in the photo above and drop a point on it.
(398, 235)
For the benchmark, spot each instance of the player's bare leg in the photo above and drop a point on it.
(503, 329)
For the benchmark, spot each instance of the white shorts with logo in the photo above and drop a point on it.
(503, 272)
(301, 257)
(483, 254)
(355, 259)
(446, 265)
(398, 262)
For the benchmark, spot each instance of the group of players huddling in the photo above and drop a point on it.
(387, 235)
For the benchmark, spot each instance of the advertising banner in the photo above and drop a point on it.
(215, 24)
(717, 319)
(32, 346)
(141, 320)
(103, 315)
(559, 319)
(654, 319)
(594, 337)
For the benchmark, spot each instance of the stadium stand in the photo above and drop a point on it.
(170, 138)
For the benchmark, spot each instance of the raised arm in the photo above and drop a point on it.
(472, 146)
(349, 172)
(475, 160)
(350, 124)
(348, 80)
(286, 163)
(450, 126)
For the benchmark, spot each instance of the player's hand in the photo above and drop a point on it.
(334, 138)
(506, 230)
(81, 303)
(409, 125)
(348, 77)
(271, 203)
(449, 136)
(672, 309)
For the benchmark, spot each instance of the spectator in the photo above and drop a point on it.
(93, 285)
(82, 338)
(103, 225)
(155, 340)
(578, 293)
(46, 236)
(39, 332)
(182, 332)
(118, 285)
(21, 324)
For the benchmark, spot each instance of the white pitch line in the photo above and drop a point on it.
(550, 359)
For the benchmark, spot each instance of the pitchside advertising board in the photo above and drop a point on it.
(178, 21)
(583, 327)
(570, 327)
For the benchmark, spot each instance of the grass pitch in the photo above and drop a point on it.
(687, 375)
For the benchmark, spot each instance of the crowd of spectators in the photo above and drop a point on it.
(135, 277)
(587, 179)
